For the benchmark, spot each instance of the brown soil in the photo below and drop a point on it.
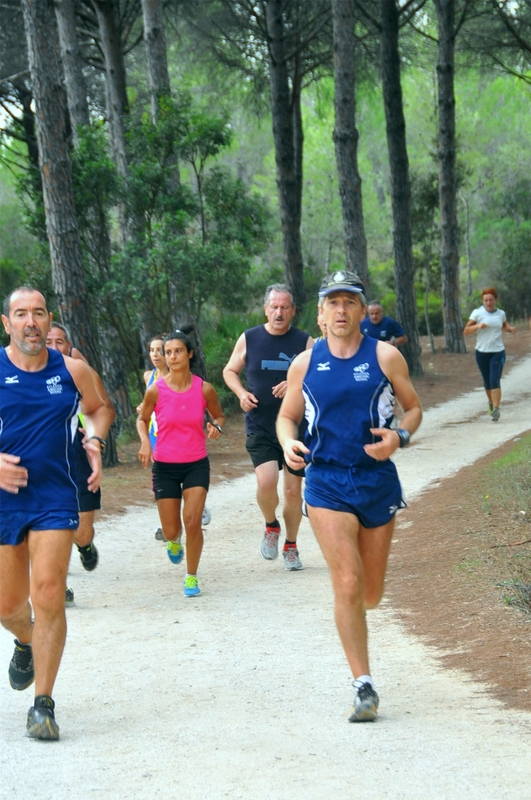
(443, 575)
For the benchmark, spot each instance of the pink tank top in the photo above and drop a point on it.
(181, 438)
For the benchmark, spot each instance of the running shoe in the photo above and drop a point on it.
(269, 545)
(191, 586)
(159, 536)
(291, 559)
(175, 551)
(495, 414)
(41, 722)
(69, 596)
(365, 708)
(207, 516)
(89, 556)
(21, 669)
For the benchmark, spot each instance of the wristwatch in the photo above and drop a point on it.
(404, 436)
(103, 442)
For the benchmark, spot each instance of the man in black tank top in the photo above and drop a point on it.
(265, 353)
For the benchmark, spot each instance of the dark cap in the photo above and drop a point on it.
(341, 281)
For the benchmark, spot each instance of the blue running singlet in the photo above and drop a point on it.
(38, 423)
(344, 398)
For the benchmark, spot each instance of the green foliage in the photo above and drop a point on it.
(515, 273)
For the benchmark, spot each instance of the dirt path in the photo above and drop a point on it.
(244, 691)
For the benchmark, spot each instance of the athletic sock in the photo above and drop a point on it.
(275, 524)
(288, 545)
(188, 575)
(358, 682)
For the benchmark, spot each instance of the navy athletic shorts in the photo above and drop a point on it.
(263, 449)
(373, 493)
(170, 480)
(14, 525)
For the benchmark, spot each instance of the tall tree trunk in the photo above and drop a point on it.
(346, 139)
(111, 44)
(97, 234)
(71, 57)
(453, 324)
(56, 172)
(400, 189)
(159, 77)
(284, 113)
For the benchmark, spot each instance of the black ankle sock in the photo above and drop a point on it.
(288, 544)
(275, 524)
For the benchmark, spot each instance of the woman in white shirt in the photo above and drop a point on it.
(488, 322)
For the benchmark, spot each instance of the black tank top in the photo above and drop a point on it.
(266, 364)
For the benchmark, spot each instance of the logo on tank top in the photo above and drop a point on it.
(54, 385)
(361, 372)
(323, 367)
(283, 365)
(11, 379)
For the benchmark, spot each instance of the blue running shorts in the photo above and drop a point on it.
(14, 525)
(373, 494)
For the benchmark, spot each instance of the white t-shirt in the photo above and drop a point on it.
(490, 339)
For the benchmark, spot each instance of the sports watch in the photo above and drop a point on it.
(404, 436)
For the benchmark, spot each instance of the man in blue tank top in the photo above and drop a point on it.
(346, 387)
(377, 326)
(265, 353)
(41, 392)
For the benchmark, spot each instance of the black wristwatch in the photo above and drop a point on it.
(404, 436)
(103, 442)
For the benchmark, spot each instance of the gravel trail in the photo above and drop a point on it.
(244, 692)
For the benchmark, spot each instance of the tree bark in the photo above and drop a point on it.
(97, 236)
(71, 57)
(157, 61)
(346, 139)
(117, 105)
(288, 138)
(400, 188)
(56, 171)
(453, 324)
(159, 77)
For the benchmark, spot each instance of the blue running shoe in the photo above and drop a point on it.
(191, 586)
(175, 551)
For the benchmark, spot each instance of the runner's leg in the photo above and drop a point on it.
(15, 610)
(49, 553)
(292, 510)
(193, 505)
(267, 489)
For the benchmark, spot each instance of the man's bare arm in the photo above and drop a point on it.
(291, 413)
(231, 375)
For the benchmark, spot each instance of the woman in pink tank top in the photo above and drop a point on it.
(181, 470)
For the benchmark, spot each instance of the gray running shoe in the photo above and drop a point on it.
(207, 516)
(41, 722)
(495, 414)
(21, 669)
(292, 561)
(159, 536)
(365, 708)
(69, 596)
(269, 545)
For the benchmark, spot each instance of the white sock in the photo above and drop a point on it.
(358, 682)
